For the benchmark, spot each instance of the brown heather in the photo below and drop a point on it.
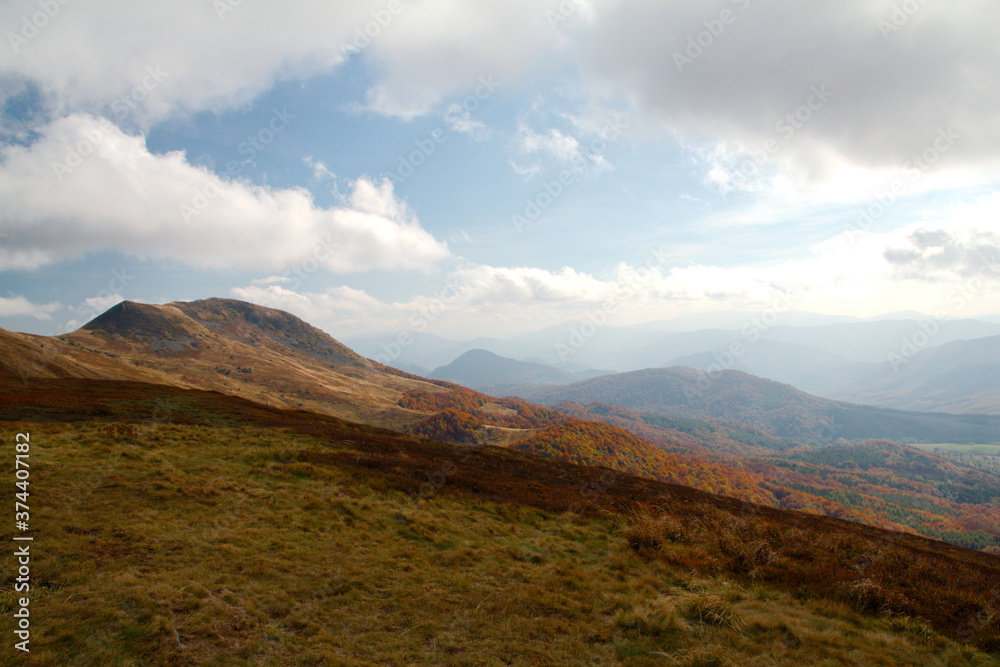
(211, 530)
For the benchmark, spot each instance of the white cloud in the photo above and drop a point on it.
(320, 170)
(883, 101)
(963, 246)
(852, 273)
(846, 106)
(338, 310)
(272, 280)
(561, 150)
(461, 236)
(18, 305)
(99, 304)
(459, 119)
(94, 53)
(438, 49)
(123, 197)
(889, 92)
(502, 286)
(553, 143)
(529, 171)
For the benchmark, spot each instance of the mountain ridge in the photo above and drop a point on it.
(482, 368)
(775, 407)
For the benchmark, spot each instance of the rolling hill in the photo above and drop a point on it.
(960, 377)
(342, 543)
(273, 358)
(811, 339)
(776, 408)
(263, 354)
(788, 363)
(481, 369)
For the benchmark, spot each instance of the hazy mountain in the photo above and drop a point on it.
(479, 368)
(407, 350)
(783, 362)
(836, 340)
(961, 376)
(777, 408)
(733, 320)
(874, 341)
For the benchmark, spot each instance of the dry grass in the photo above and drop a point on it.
(223, 545)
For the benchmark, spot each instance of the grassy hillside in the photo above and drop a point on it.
(263, 354)
(880, 483)
(183, 527)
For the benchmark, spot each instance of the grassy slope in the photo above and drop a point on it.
(274, 358)
(215, 546)
(177, 527)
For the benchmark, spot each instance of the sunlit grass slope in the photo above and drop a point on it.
(295, 539)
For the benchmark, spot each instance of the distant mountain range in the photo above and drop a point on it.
(657, 344)
(962, 376)
(884, 362)
(777, 408)
(502, 376)
(726, 432)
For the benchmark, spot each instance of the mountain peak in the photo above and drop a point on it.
(130, 318)
(482, 368)
(243, 321)
(239, 320)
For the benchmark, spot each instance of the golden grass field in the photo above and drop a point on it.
(226, 534)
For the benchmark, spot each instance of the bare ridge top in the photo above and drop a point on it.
(229, 318)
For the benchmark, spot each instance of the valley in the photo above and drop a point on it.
(208, 528)
(647, 468)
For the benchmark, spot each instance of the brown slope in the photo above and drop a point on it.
(262, 354)
(259, 353)
(817, 557)
(29, 356)
(705, 437)
(247, 322)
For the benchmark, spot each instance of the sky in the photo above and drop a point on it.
(492, 167)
